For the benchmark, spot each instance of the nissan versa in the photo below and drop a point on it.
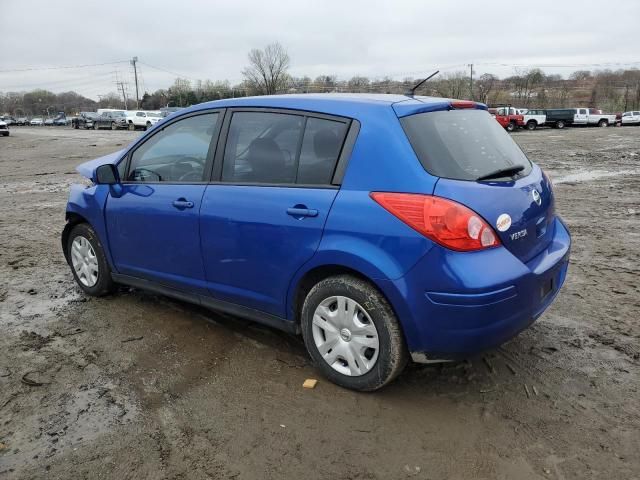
(380, 227)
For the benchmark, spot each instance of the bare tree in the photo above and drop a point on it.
(267, 70)
(484, 85)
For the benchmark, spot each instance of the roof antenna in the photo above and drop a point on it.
(412, 91)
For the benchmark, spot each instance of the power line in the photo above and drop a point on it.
(67, 67)
(167, 71)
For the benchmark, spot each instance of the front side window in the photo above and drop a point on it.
(177, 153)
(262, 147)
(140, 114)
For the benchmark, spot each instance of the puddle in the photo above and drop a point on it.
(592, 175)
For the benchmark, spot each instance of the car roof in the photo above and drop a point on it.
(354, 105)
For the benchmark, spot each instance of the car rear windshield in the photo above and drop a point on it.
(462, 144)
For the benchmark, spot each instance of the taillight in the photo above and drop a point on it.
(444, 221)
(463, 104)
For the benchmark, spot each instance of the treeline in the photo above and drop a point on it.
(613, 91)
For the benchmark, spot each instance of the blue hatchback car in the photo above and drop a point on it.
(382, 228)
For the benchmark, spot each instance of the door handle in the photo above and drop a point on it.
(182, 203)
(300, 212)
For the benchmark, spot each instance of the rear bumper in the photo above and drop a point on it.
(452, 305)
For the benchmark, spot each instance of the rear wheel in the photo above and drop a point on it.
(132, 127)
(87, 260)
(352, 334)
(560, 124)
(147, 126)
(603, 123)
(531, 125)
(95, 126)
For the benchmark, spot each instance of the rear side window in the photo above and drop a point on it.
(262, 147)
(281, 148)
(320, 150)
(462, 144)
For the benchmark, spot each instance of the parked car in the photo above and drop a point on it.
(370, 224)
(533, 118)
(60, 119)
(8, 120)
(508, 117)
(560, 117)
(142, 119)
(114, 120)
(36, 121)
(592, 116)
(22, 121)
(84, 120)
(631, 118)
(49, 122)
(4, 128)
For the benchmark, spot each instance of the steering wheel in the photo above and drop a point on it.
(192, 173)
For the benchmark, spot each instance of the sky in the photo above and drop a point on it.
(199, 39)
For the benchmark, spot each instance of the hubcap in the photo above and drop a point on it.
(345, 336)
(84, 261)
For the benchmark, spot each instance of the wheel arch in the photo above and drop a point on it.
(305, 280)
(72, 219)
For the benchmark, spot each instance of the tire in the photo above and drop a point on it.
(560, 124)
(532, 125)
(511, 126)
(603, 123)
(113, 126)
(132, 127)
(147, 126)
(373, 316)
(103, 283)
(95, 126)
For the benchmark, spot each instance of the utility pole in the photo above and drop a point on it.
(134, 60)
(124, 95)
(471, 81)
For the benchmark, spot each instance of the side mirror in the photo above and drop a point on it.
(107, 175)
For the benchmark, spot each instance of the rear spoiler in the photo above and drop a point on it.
(413, 106)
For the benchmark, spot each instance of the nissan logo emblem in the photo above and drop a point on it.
(536, 197)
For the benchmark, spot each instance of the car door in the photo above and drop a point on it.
(152, 222)
(581, 117)
(264, 214)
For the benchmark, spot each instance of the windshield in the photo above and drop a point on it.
(462, 144)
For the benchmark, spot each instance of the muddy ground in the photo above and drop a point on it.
(140, 386)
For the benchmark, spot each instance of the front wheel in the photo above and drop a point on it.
(531, 125)
(87, 260)
(352, 334)
(511, 127)
(132, 127)
(113, 125)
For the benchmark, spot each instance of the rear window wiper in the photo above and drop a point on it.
(503, 172)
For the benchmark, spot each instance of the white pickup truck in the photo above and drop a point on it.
(142, 119)
(533, 118)
(591, 116)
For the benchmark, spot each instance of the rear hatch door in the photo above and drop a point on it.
(467, 149)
